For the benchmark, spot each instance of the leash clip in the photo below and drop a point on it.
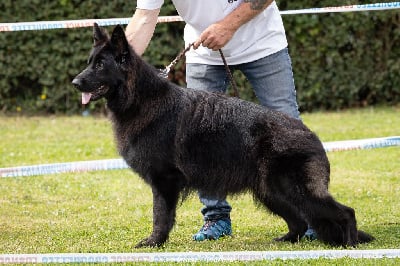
(164, 72)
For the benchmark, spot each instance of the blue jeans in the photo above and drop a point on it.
(272, 80)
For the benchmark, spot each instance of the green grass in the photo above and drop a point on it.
(110, 211)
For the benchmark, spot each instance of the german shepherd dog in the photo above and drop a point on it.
(179, 140)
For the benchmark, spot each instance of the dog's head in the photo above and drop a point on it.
(106, 69)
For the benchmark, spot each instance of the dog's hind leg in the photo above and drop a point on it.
(296, 224)
(165, 198)
(278, 205)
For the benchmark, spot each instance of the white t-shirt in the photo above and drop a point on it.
(261, 36)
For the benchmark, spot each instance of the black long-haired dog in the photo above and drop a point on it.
(179, 139)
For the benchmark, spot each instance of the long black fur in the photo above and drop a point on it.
(178, 139)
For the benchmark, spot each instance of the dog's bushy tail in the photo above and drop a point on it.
(364, 237)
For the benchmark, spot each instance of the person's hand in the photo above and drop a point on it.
(214, 37)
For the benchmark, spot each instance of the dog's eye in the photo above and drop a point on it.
(99, 65)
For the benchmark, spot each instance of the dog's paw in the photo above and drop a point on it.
(149, 242)
(289, 237)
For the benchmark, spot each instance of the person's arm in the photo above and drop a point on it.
(218, 34)
(140, 29)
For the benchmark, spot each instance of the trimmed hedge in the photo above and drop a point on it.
(344, 59)
(37, 67)
(340, 60)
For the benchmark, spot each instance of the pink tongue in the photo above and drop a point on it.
(86, 97)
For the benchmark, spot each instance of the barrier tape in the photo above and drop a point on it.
(68, 24)
(196, 256)
(114, 164)
(57, 168)
(348, 8)
(361, 144)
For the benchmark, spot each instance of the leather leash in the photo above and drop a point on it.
(228, 70)
(164, 72)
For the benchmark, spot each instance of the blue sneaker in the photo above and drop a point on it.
(214, 229)
(310, 234)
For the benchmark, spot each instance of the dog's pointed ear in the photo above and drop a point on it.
(118, 40)
(120, 44)
(99, 35)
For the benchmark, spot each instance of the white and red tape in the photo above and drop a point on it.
(196, 256)
(113, 164)
(68, 24)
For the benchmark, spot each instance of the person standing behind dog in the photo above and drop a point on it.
(253, 39)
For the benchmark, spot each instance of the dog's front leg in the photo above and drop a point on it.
(165, 199)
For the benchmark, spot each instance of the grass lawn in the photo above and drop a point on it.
(110, 211)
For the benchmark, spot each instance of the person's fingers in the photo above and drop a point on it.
(197, 43)
(207, 41)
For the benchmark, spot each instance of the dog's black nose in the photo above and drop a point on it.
(77, 83)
